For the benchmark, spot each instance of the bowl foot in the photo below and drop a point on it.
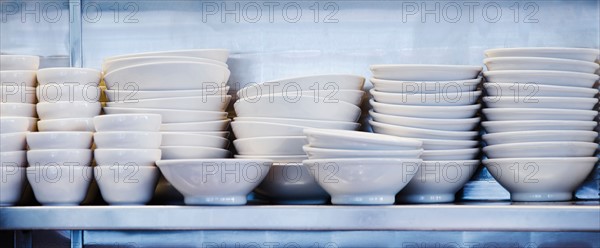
(546, 196)
(362, 199)
(426, 198)
(215, 200)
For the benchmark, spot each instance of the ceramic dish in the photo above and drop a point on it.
(281, 145)
(540, 102)
(19, 62)
(67, 124)
(13, 124)
(331, 95)
(585, 54)
(21, 78)
(291, 183)
(128, 139)
(18, 110)
(559, 78)
(322, 82)
(344, 125)
(123, 185)
(521, 114)
(114, 64)
(251, 129)
(12, 184)
(340, 139)
(421, 133)
(126, 157)
(62, 110)
(222, 134)
(465, 124)
(52, 188)
(541, 149)
(128, 122)
(321, 153)
(67, 93)
(202, 103)
(454, 154)
(429, 87)
(276, 158)
(420, 99)
(190, 139)
(539, 63)
(513, 126)
(134, 95)
(17, 94)
(536, 90)
(59, 140)
(304, 108)
(13, 159)
(215, 54)
(171, 115)
(13, 142)
(192, 152)
(442, 144)
(69, 76)
(205, 126)
(60, 157)
(407, 72)
(539, 136)
(436, 112)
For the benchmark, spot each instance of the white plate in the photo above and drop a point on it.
(172, 115)
(421, 99)
(559, 78)
(517, 114)
(251, 129)
(330, 95)
(392, 86)
(276, 158)
(192, 152)
(200, 103)
(538, 63)
(119, 95)
(303, 108)
(326, 82)
(539, 136)
(344, 125)
(17, 94)
(340, 139)
(466, 124)
(536, 90)
(541, 149)
(18, 110)
(25, 78)
(320, 153)
(540, 102)
(512, 126)
(442, 144)
(192, 139)
(436, 112)
(111, 65)
(407, 72)
(215, 54)
(205, 126)
(454, 154)
(421, 133)
(281, 145)
(585, 54)
(19, 62)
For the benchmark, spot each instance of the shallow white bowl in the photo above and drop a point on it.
(436, 112)
(126, 185)
(305, 83)
(560, 78)
(341, 139)
(438, 181)
(193, 152)
(521, 114)
(466, 124)
(407, 72)
(11, 142)
(59, 140)
(513, 126)
(421, 133)
(127, 157)
(304, 108)
(540, 179)
(20, 78)
(171, 115)
(127, 139)
(393, 86)
(539, 136)
(191, 139)
(202, 103)
(331, 95)
(69, 75)
(128, 122)
(62, 110)
(533, 90)
(251, 129)
(443, 144)
(133, 95)
(228, 183)
(363, 181)
(541, 149)
(222, 134)
(60, 157)
(539, 63)
(114, 64)
(17, 94)
(276, 158)
(205, 126)
(291, 183)
(215, 54)
(68, 92)
(14, 124)
(280, 145)
(454, 154)
(18, 109)
(59, 185)
(321, 153)
(540, 102)
(181, 76)
(19, 62)
(344, 125)
(422, 99)
(67, 124)
(585, 54)
(14, 158)
(12, 184)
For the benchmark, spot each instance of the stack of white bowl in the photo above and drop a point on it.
(187, 88)
(540, 110)
(360, 168)
(127, 147)
(13, 159)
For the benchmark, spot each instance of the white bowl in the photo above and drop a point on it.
(443, 144)
(331, 95)
(191, 139)
(126, 185)
(465, 124)
(454, 154)
(422, 99)
(18, 109)
(392, 86)
(540, 102)
(363, 181)
(252, 129)
(17, 94)
(324, 82)
(59, 185)
(126, 157)
(12, 184)
(539, 63)
(585, 54)
(204, 103)
(14, 124)
(276, 158)
(344, 125)
(68, 124)
(280, 145)
(127, 139)
(63, 110)
(215, 54)
(354, 140)
(53, 92)
(114, 64)
(59, 140)
(14, 158)
(193, 152)
(539, 136)
(204, 126)
(13, 142)
(422, 133)
(513, 126)
(60, 157)
(128, 122)
(21, 78)
(69, 75)
(533, 90)
(559, 78)
(436, 112)
(320, 153)
(438, 181)
(304, 108)
(521, 114)
(408, 72)
(291, 183)
(19, 62)
(541, 149)
(222, 134)
(181, 76)
(171, 115)
(133, 95)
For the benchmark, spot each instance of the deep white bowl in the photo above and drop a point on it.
(533, 90)
(193, 152)
(222, 134)
(521, 114)
(421, 133)
(313, 82)
(69, 75)
(586, 54)
(67, 124)
(171, 115)
(539, 63)
(291, 183)
(464, 124)
(59, 185)
(436, 112)
(454, 154)
(128, 122)
(54, 92)
(134, 95)
(191, 139)
(443, 144)
(219, 187)
(127, 140)
(539, 136)
(331, 95)
(199, 103)
(126, 185)
(513, 126)
(215, 54)
(341, 139)
(20, 78)
(11, 142)
(280, 145)
(423, 99)
(559, 78)
(14, 158)
(541, 149)
(205, 126)
(63, 110)
(343, 125)
(304, 108)
(392, 86)
(114, 64)
(127, 157)
(19, 62)
(60, 157)
(540, 179)
(14, 124)
(12, 184)
(408, 72)
(324, 153)
(581, 103)
(59, 140)
(17, 94)
(18, 110)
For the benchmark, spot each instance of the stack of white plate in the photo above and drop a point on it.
(187, 88)
(540, 120)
